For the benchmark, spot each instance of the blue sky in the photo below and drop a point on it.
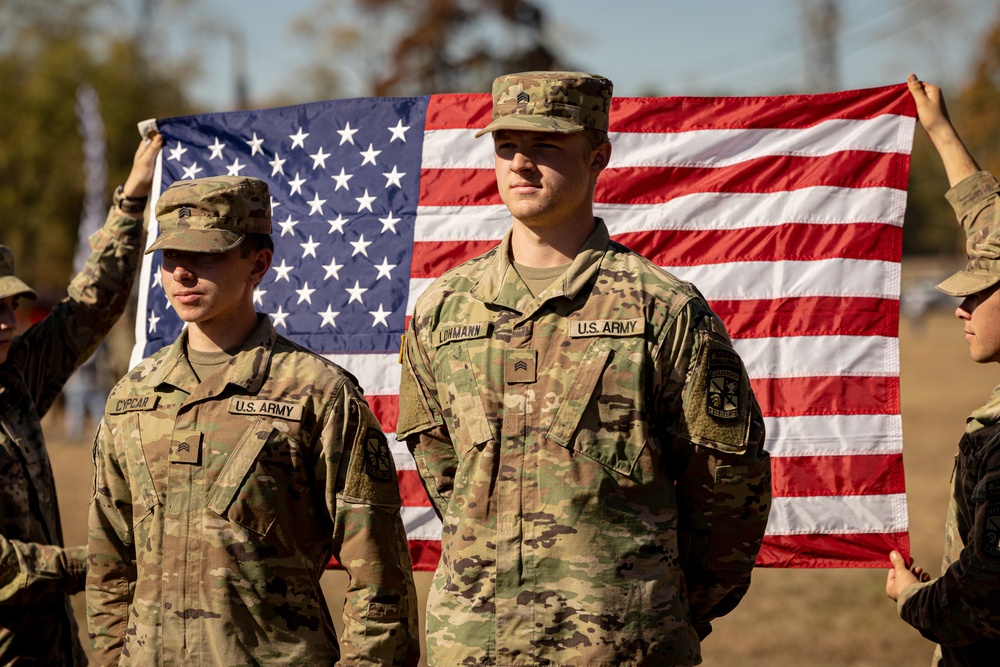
(670, 47)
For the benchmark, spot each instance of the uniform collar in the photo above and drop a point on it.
(248, 371)
(986, 415)
(499, 283)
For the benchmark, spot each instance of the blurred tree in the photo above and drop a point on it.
(416, 47)
(930, 223)
(46, 51)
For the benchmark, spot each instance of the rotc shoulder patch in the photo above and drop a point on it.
(722, 395)
(717, 399)
(989, 539)
(378, 458)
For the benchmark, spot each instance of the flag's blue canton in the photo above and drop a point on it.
(345, 179)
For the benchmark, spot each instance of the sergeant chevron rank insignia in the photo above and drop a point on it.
(722, 398)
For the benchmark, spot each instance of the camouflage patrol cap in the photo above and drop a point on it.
(550, 102)
(11, 285)
(212, 214)
(983, 269)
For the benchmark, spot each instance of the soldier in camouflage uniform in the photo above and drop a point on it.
(960, 610)
(580, 421)
(230, 467)
(37, 573)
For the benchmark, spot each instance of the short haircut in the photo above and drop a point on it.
(594, 137)
(254, 242)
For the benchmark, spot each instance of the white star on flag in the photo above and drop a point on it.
(216, 149)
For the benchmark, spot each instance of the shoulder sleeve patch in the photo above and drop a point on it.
(717, 397)
(414, 412)
(371, 473)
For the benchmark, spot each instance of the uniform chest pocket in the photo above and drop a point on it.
(252, 487)
(463, 381)
(144, 496)
(602, 416)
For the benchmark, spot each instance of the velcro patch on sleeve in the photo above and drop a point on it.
(717, 398)
(371, 473)
(989, 539)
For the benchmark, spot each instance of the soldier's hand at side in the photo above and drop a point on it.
(140, 180)
(900, 576)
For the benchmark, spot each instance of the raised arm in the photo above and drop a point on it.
(933, 115)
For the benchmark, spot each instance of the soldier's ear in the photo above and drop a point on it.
(600, 157)
(261, 265)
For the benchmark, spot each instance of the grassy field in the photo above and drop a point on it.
(816, 618)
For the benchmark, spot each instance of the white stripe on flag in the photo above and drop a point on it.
(377, 373)
(834, 435)
(887, 133)
(702, 211)
(810, 356)
(724, 148)
(837, 514)
(421, 523)
(788, 278)
(400, 454)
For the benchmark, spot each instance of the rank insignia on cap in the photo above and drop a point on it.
(523, 98)
(378, 459)
(183, 212)
(722, 398)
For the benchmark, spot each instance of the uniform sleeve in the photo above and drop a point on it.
(976, 202)
(963, 605)
(30, 571)
(721, 471)
(362, 494)
(422, 427)
(111, 575)
(49, 352)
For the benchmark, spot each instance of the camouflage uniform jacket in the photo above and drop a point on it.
(961, 609)
(36, 573)
(219, 504)
(595, 456)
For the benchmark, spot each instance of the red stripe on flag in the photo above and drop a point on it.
(684, 114)
(458, 111)
(459, 187)
(386, 409)
(411, 489)
(432, 258)
(827, 395)
(809, 316)
(426, 553)
(656, 185)
(800, 242)
(826, 550)
(855, 475)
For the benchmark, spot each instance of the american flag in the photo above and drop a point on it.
(786, 211)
